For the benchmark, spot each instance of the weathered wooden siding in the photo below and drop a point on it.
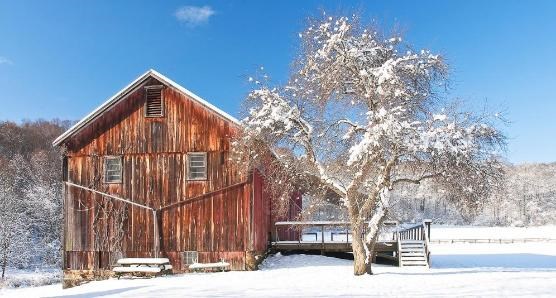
(261, 215)
(186, 127)
(154, 174)
(288, 233)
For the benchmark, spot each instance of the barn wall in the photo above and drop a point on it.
(288, 233)
(154, 162)
(262, 216)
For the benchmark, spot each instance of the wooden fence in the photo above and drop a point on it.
(492, 240)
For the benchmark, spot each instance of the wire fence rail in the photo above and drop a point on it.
(491, 240)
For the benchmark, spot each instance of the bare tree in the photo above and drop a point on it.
(30, 193)
(361, 115)
(14, 234)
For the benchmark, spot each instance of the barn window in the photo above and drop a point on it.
(197, 166)
(154, 103)
(113, 169)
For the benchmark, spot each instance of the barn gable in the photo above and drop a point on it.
(145, 79)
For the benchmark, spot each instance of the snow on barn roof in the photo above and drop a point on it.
(106, 106)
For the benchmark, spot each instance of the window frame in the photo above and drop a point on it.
(159, 87)
(113, 157)
(188, 166)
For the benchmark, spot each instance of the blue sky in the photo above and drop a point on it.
(61, 59)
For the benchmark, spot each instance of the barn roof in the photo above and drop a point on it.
(112, 101)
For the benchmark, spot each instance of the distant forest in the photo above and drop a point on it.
(31, 196)
(30, 193)
(527, 198)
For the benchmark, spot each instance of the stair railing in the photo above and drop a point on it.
(399, 249)
(426, 235)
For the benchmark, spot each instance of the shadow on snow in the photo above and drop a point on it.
(101, 293)
(505, 261)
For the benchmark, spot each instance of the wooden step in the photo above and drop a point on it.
(415, 263)
(422, 263)
(414, 258)
(412, 241)
(413, 253)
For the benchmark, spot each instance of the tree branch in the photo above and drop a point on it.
(415, 181)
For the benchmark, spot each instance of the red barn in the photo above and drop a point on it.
(148, 172)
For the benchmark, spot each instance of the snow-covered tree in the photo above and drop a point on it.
(30, 193)
(14, 235)
(361, 115)
(530, 198)
(43, 199)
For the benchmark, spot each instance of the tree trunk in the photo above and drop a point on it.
(4, 262)
(361, 264)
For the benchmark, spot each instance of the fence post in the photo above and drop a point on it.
(322, 252)
(428, 224)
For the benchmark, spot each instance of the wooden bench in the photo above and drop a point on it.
(221, 266)
(143, 266)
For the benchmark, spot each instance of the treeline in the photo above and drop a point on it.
(527, 198)
(30, 193)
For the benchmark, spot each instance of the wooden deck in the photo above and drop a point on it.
(328, 246)
(325, 236)
(334, 237)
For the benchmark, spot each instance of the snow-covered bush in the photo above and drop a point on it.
(31, 278)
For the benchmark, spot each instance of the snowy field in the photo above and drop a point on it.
(473, 232)
(520, 269)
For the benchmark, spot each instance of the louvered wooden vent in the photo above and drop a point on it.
(154, 105)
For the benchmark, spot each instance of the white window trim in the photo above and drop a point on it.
(189, 178)
(106, 158)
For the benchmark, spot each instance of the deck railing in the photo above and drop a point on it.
(295, 230)
(325, 231)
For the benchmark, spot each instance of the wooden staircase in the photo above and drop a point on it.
(413, 245)
(413, 253)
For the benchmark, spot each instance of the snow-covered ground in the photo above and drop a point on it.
(521, 269)
(474, 232)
